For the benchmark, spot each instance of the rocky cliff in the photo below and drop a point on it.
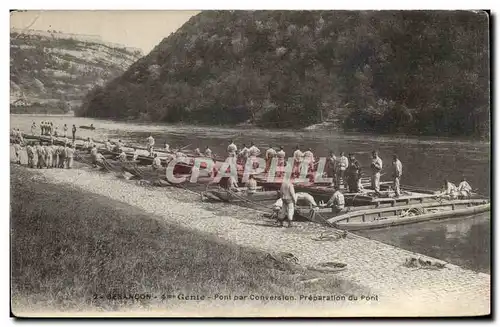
(51, 72)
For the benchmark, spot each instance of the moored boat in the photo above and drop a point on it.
(181, 167)
(408, 214)
(241, 195)
(364, 200)
(91, 127)
(386, 197)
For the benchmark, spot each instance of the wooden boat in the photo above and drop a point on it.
(142, 160)
(386, 197)
(408, 214)
(182, 167)
(241, 195)
(59, 141)
(367, 197)
(91, 127)
(328, 212)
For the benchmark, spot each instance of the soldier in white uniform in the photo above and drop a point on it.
(156, 162)
(270, 154)
(397, 167)
(17, 152)
(464, 189)
(208, 152)
(243, 154)
(231, 152)
(289, 199)
(376, 167)
(253, 151)
(337, 201)
(69, 156)
(49, 151)
(298, 156)
(151, 143)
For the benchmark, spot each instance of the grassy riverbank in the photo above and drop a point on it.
(68, 245)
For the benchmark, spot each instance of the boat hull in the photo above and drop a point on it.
(237, 197)
(388, 217)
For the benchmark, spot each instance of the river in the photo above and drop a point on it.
(426, 162)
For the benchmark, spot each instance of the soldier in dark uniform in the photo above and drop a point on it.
(353, 174)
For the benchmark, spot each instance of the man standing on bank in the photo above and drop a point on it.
(397, 167)
(231, 152)
(376, 167)
(151, 144)
(69, 156)
(270, 154)
(289, 198)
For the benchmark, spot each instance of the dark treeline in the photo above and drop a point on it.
(414, 72)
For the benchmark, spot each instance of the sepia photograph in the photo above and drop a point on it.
(250, 163)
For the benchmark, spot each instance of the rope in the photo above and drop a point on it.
(324, 220)
(118, 172)
(182, 186)
(139, 172)
(79, 157)
(132, 168)
(412, 210)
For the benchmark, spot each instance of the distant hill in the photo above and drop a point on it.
(413, 72)
(50, 72)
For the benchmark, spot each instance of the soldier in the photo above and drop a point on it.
(376, 167)
(397, 167)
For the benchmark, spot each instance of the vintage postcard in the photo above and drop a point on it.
(250, 163)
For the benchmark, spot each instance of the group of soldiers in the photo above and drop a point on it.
(463, 191)
(17, 136)
(284, 207)
(345, 171)
(49, 129)
(45, 156)
(40, 155)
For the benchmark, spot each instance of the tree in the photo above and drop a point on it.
(379, 71)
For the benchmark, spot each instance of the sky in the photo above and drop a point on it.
(133, 28)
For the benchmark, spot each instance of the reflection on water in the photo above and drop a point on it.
(426, 162)
(461, 241)
(457, 230)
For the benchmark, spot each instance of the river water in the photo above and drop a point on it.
(426, 162)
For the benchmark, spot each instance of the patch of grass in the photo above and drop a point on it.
(67, 245)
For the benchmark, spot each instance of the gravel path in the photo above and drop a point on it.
(371, 264)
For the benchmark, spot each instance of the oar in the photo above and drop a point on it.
(182, 148)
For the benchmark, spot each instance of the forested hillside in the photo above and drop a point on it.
(51, 72)
(384, 71)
